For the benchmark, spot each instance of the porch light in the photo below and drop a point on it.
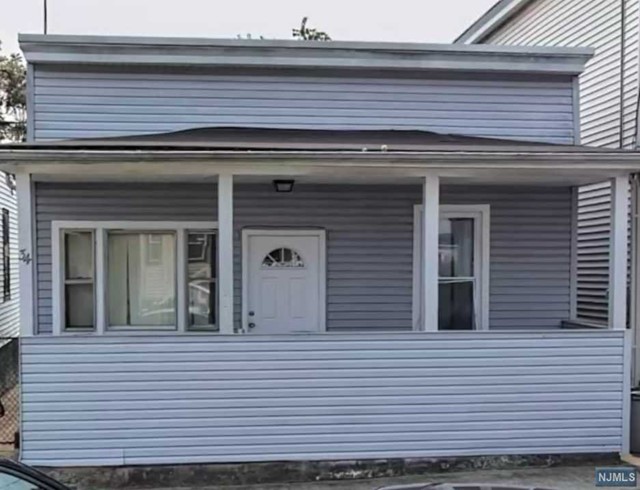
(283, 185)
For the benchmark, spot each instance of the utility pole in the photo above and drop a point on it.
(45, 16)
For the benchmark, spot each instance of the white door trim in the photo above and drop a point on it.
(322, 267)
(483, 213)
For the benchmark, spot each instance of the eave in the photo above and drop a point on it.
(493, 18)
(12, 160)
(154, 51)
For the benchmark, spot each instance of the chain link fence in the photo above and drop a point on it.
(9, 394)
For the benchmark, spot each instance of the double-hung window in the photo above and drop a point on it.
(463, 268)
(78, 309)
(134, 276)
(201, 279)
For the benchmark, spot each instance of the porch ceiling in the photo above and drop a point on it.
(112, 174)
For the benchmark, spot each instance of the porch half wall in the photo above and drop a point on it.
(369, 241)
(116, 400)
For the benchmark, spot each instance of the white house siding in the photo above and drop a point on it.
(93, 102)
(10, 309)
(369, 241)
(586, 23)
(115, 400)
(608, 109)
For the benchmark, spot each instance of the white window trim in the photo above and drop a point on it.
(322, 268)
(482, 214)
(100, 229)
(59, 275)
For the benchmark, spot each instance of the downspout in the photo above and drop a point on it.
(634, 290)
(634, 307)
(623, 40)
(636, 119)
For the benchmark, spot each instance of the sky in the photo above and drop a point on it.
(349, 20)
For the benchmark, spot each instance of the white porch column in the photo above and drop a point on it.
(618, 247)
(225, 252)
(26, 265)
(430, 227)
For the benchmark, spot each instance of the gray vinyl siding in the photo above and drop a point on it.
(608, 110)
(102, 202)
(369, 246)
(10, 309)
(369, 241)
(530, 253)
(117, 400)
(81, 102)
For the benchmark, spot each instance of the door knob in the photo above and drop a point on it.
(252, 313)
(252, 325)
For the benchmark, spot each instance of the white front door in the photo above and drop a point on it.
(284, 273)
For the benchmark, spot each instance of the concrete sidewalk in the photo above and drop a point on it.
(557, 478)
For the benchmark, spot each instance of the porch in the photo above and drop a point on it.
(169, 399)
(375, 379)
(373, 368)
(501, 255)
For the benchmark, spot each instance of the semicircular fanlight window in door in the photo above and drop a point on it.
(282, 258)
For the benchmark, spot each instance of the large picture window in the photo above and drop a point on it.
(141, 279)
(134, 276)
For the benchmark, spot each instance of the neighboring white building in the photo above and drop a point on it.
(608, 103)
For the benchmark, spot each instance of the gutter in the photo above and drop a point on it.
(11, 160)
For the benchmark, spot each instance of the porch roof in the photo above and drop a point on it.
(317, 140)
(260, 151)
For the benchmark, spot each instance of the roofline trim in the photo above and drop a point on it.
(56, 49)
(515, 159)
(490, 20)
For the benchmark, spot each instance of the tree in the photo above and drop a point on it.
(305, 33)
(13, 98)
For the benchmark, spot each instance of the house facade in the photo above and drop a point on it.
(608, 90)
(242, 251)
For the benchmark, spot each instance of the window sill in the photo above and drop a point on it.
(139, 332)
(141, 328)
